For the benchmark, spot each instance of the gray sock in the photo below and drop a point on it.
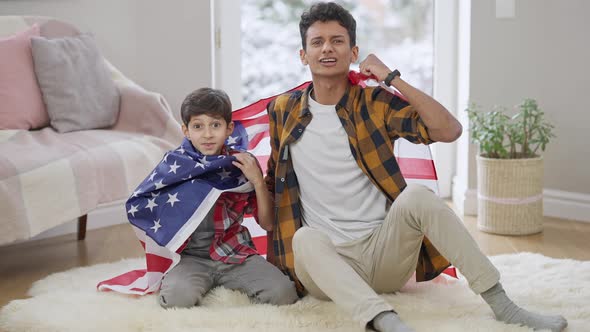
(389, 321)
(506, 311)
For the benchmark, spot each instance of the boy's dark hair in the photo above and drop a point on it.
(324, 12)
(208, 101)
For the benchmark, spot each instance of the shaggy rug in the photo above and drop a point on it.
(67, 301)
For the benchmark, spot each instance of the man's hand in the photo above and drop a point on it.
(373, 66)
(442, 125)
(248, 164)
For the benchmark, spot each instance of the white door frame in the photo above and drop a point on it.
(226, 48)
(445, 86)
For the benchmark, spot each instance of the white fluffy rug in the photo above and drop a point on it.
(67, 301)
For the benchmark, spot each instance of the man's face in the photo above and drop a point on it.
(327, 51)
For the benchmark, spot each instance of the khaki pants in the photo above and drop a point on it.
(351, 274)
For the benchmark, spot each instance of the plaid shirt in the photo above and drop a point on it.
(232, 242)
(373, 119)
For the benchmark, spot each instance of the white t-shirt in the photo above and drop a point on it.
(336, 196)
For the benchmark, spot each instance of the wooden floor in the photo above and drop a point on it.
(22, 264)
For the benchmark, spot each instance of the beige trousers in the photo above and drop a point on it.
(351, 274)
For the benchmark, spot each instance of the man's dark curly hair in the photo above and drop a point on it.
(208, 101)
(324, 12)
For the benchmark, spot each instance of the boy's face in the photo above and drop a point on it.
(207, 133)
(327, 51)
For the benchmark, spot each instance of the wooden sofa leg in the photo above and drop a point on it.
(82, 227)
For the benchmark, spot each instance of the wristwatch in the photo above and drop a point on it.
(391, 76)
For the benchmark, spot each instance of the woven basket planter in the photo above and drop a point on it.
(510, 195)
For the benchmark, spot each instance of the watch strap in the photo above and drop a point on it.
(391, 77)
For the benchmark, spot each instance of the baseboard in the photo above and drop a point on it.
(458, 196)
(104, 215)
(471, 202)
(566, 205)
(556, 203)
(465, 200)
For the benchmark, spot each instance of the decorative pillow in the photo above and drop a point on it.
(77, 88)
(21, 104)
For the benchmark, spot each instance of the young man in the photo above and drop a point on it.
(347, 225)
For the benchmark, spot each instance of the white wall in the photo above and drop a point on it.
(162, 45)
(541, 53)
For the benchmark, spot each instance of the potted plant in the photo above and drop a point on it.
(510, 168)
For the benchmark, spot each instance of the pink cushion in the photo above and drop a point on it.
(21, 103)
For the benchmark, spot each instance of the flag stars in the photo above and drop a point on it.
(173, 168)
(133, 209)
(159, 185)
(155, 194)
(156, 225)
(135, 193)
(180, 149)
(241, 179)
(232, 140)
(224, 174)
(152, 176)
(151, 204)
(172, 199)
(204, 161)
(199, 165)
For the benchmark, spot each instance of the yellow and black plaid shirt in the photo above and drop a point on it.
(373, 119)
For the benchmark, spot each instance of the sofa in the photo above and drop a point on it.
(50, 175)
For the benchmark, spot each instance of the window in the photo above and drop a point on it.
(402, 33)
(399, 32)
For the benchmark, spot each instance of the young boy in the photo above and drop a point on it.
(220, 251)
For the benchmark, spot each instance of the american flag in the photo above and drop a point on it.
(163, 236)
(169, 205)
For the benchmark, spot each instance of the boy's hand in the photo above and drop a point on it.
(248, 164)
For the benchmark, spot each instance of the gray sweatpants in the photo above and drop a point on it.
(186, 284)
(351, 274)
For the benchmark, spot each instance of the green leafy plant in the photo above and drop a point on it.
(510, 137)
